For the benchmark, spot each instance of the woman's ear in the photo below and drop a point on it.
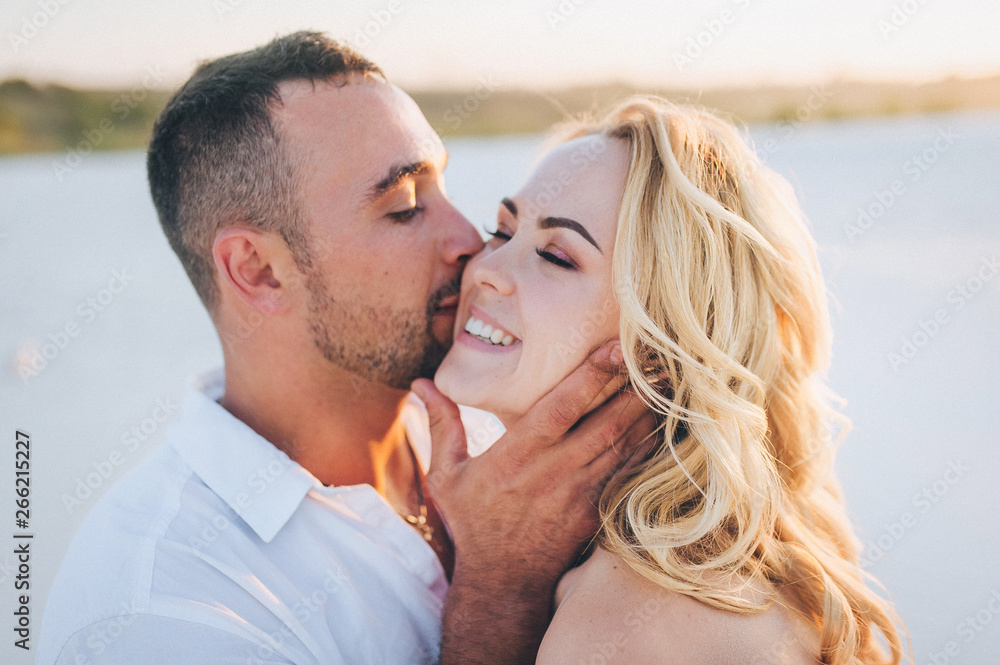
(257, 267)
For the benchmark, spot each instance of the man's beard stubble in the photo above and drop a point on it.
(388, 346)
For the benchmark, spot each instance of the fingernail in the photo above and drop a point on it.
(616, 354)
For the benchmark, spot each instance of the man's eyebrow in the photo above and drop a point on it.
(573, 225)
(395, 177)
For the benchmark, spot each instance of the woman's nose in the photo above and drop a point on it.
(489, 270)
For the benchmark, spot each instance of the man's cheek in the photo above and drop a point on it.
(443, 329)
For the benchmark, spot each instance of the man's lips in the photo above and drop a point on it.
(448, 306)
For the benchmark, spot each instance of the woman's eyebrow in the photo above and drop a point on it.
(552, 222)
(573, 225)
(507, 203)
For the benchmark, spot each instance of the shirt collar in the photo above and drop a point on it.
(256, 479)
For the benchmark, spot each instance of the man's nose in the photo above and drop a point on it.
(461, 239)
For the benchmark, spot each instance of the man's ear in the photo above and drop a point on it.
(257, 267)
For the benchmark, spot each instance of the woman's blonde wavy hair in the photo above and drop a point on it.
(726, 335)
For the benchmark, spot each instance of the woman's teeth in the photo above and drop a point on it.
(488, 333)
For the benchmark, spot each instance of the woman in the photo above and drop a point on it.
(658, 225)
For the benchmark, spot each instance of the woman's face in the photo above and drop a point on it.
(538, 299)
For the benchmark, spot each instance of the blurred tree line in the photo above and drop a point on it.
(55, 118)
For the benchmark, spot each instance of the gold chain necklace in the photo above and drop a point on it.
(419, 521)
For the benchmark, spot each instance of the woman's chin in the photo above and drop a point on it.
(445, 384)
(449, 380)
(468, 391)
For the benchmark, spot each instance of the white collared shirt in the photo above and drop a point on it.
(218, 548)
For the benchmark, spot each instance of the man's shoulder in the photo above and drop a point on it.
(134, 512)
(109, 567)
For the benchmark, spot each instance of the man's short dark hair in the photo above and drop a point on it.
(216, 156)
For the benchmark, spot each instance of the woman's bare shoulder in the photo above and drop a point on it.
(608, 613)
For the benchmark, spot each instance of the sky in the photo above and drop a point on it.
(542, 44)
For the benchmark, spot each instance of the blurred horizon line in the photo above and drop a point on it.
(605, 82)
(52, 117)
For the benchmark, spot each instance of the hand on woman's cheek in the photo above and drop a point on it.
(539, 297)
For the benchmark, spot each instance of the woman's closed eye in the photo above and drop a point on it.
(553, 255)
(556, 257)
(500, 233)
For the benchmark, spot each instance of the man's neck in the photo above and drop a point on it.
(343, 430)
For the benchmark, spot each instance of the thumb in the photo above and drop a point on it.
(448, 444)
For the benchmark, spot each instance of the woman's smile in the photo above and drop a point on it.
(482, 331)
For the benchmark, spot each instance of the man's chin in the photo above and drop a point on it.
(442, 329)
(433, 357)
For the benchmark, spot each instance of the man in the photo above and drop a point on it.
(288, 519)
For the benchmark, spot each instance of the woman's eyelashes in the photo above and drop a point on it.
(559, 259)
(499, 233)
(555, 256)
